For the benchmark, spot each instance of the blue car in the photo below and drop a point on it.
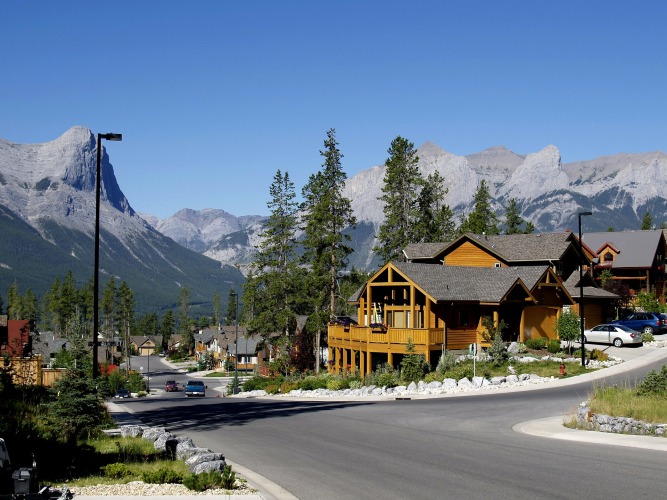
(643, 322)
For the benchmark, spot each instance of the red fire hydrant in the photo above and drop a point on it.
(562, 369)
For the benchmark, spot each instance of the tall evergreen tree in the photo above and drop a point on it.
(274, 270)
(231, 308)
(434, 219)
(14, 302)
(127, 304)
(513, 218)
(30, 307)
(108, 304)
(187, 336)
(217, 309)
(482, 220)
(167, 327)
(69, 304)
(326, 214)
(647, 221)
(402, 181)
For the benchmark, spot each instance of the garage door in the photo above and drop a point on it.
(539, 321)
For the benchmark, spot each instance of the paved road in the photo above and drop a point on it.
(431, 448)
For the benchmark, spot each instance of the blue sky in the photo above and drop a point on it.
(212, 97)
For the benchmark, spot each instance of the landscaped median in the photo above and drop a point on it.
(384, 384)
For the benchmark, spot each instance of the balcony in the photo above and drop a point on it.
(348, 336)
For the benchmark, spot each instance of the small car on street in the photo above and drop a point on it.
(122, 393)
(170, 386)
(616, 335)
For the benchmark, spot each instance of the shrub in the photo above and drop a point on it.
(413, 366)
(356, 384)
(206, 480)
(554, 346)
(568, 327)
(648, 337)
(599, 355)
(536, 344)
(461, 370)
(497, 350)
(654, 383)
(254, 384)
(313, 382)
(446, 361)
(433, 377)
(386, 380)
(163, 475)
(116, 471)
(334, 384)
(228, 477)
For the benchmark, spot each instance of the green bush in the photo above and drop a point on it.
(599, 355)
(334, 384)
(446, 361)
(461, 370)
(163, 475)
(255, 383)
(537, 344)
(356, 384)
(554, 346)
(313, 382)
(211, 479)
(654, 383)
(647, 337)
(433, 377)
(116, 471)
(497, 350)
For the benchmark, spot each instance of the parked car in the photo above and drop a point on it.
(170, 386)
(123, 393)
(618, 335)
(645, 322)
(195, 388)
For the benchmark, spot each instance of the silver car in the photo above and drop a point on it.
(618, 335)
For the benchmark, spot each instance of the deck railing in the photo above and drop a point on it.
(365, 334)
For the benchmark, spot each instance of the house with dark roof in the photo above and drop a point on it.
(439, 298)
(637, 258)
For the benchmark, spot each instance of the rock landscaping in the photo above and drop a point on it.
(446, 386)
(617, 425)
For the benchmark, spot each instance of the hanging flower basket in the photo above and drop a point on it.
(378, 327)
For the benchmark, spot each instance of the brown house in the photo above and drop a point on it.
(439, 298)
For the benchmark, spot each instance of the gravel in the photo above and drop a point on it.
(139, 488)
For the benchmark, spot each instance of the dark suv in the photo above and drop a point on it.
(644, 322)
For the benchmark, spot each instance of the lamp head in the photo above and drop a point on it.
(111, 137)
(585, 213)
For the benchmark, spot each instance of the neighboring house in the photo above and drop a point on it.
(637, 258)
(145, 345)
(15, 337)
(439, 298)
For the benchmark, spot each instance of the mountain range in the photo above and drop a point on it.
(47, 220)
(619, 189)
(47, 209)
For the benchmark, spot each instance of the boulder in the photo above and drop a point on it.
(497, 380)
(412, 387)
(434, 385)
(161, 441)
(513, 348)
(449, 383)
(478, 381)
(152, 433)
(465, 383)
(217, 465)
(131, 430)
(183, 453)
(201, 458)
(511, 379)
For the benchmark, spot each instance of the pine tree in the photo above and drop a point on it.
(127, 304)
(217, 309)
(513, 218)
(14, 302)
(108, 304)
(482, 220)
(167, 327)
(231, 308)
(30, 307)
(274, 270)
(326, 214)
(69, 304)
(647, 221)
(187, 336)
(402, 181)
(434, 220)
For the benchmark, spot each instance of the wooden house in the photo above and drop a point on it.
(439, 298)
(635, 257)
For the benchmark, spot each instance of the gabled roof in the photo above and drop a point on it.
(537, 247)
(469, 284)
(421, 251)
(637, 249)
(591, 290)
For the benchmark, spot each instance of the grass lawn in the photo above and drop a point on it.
(625, 402)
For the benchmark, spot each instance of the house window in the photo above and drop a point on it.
(497, 264)
(608, 257)
(464, 318)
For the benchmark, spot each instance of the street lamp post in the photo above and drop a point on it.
(96, 274)
(148, 375)
(236, 343)
(581, 293)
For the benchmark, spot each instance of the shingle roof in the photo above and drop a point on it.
(526, 247)
(572, 286)
(475, 284)
(415, 251)
(637, 248)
